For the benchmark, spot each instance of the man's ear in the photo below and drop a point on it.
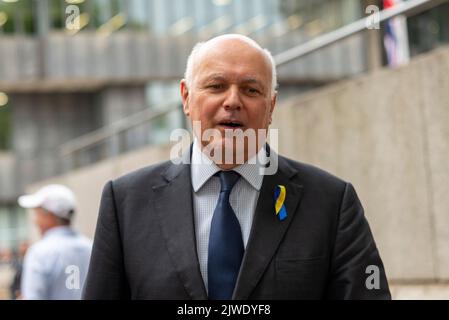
(273, 104)
(185, 97)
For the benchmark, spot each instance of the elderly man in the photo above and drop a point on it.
(56, 266)
(212, 227)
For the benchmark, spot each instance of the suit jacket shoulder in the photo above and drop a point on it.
(142, 175)
(312, 173)
(315, 181)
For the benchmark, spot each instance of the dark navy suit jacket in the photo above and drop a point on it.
(145, 248)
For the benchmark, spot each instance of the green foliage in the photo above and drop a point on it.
(13, 10)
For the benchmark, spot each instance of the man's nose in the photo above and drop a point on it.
(233, 99)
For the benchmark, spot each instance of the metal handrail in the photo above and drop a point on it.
(122, 125)
(408, 8)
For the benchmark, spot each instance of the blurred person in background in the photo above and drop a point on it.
(5, 256)
(55, 267)
(17, 265)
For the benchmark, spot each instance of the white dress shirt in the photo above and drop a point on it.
(206, 190)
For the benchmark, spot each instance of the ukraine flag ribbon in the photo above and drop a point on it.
(279, 199)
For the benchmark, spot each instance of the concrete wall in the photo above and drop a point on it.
(386, 132)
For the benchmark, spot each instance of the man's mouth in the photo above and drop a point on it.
(231, 124)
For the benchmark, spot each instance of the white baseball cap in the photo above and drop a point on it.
(54, 198)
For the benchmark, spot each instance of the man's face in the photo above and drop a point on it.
(43, 220)
(231, 89)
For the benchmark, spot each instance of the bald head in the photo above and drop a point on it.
(224, 43)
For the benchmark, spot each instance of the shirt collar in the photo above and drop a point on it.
(60, 230)
(202, 168)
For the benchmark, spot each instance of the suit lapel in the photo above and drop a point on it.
(175, 209)
(267, 230)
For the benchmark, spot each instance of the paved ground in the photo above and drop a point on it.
(399, 291)
(420, 291)
(5, 278)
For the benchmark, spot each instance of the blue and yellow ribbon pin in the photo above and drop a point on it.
(279, 199)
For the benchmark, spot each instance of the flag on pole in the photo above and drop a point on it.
(396, 37)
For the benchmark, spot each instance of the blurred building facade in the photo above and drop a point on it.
(74, 68)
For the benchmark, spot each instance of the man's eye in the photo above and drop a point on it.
(253, 91)
(215, 86)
